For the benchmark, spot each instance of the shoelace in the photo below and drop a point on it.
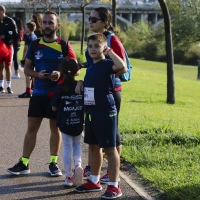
(111, 189)
(106, 176)
(53, 165)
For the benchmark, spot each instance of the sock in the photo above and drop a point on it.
(95, 179)
(25, 161)
(115, 184)
(53, 159)
(2, 83)
(8, 83)
(28, 90)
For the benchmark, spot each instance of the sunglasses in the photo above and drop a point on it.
(93, 19)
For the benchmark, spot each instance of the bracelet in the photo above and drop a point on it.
(108, 51)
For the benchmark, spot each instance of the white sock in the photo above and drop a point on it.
(8, 83)
(115, 184)
(2, 83)
(95, 179)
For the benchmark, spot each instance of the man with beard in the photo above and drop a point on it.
(46, 57)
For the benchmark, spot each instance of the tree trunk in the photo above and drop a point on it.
(83, 28)
(114, 13)
(169, 52)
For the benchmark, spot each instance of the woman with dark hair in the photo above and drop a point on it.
(16, 46)
(37, 19)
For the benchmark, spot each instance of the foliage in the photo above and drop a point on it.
(185, 17)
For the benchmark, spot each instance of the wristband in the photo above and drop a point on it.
(108, 51)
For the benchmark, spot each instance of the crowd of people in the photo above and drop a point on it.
(50, 66)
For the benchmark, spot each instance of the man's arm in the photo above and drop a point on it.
(29, 71)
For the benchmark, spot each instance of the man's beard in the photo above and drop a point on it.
(50, 34)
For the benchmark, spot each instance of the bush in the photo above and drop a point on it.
(80, 58)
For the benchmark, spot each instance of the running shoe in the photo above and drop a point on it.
(105, 178)
(86, 172)
(19, 168)
(78, 175)
(15, 76)
(69, 181)
(89, 187)
(54, 170)
(9, 91)
(25, 95)
(112, 192)
(2, 90)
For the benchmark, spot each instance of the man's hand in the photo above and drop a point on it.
(55, 75)
(22, 62)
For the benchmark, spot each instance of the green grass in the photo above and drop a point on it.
(162, 141)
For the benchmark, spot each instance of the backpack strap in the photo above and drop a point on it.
(64, 47)
(109, 39)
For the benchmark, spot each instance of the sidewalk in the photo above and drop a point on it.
(38, 185)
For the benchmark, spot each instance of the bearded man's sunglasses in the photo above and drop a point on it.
(93, 19)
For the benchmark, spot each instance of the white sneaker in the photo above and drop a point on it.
(15, 76)
(78, 175)
(69, 181)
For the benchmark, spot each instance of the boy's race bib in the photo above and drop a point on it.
(89, 96)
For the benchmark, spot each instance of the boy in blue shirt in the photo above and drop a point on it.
(101, 114)
(30, 36)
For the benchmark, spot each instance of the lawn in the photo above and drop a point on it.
(162, 141)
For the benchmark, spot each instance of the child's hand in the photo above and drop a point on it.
(79, 87)
(107, 50)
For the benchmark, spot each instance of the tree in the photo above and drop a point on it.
(185, 17)
(169, 52)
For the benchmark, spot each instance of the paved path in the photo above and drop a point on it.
(37, 185)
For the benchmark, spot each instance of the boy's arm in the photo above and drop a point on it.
(119, 65)
(25, 52)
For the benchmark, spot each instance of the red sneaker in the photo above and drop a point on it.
(112, 192)
(105, 178)
(69, 181)
(89, 187)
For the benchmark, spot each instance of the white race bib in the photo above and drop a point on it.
(89, 96)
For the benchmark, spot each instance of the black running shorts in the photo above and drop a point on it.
(40, 106)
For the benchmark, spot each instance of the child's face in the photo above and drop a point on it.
(95, 49)
(27, 30)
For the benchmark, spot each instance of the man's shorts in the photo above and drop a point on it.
(101, 129)
(8, 59)
(40, 106)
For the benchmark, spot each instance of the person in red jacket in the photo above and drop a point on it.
(8, 31)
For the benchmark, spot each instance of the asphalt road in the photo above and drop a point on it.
(37, 185)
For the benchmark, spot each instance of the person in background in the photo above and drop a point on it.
(70, 121)
(8, 31)
(37, 19)
(30, 36)
(16, 46)
(49, 54)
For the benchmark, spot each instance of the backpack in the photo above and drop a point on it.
(127, 75)
(63, 43)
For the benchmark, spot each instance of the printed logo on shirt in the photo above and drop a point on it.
(10, 32)
(61, 56)
(38, 55)
(67, 102)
